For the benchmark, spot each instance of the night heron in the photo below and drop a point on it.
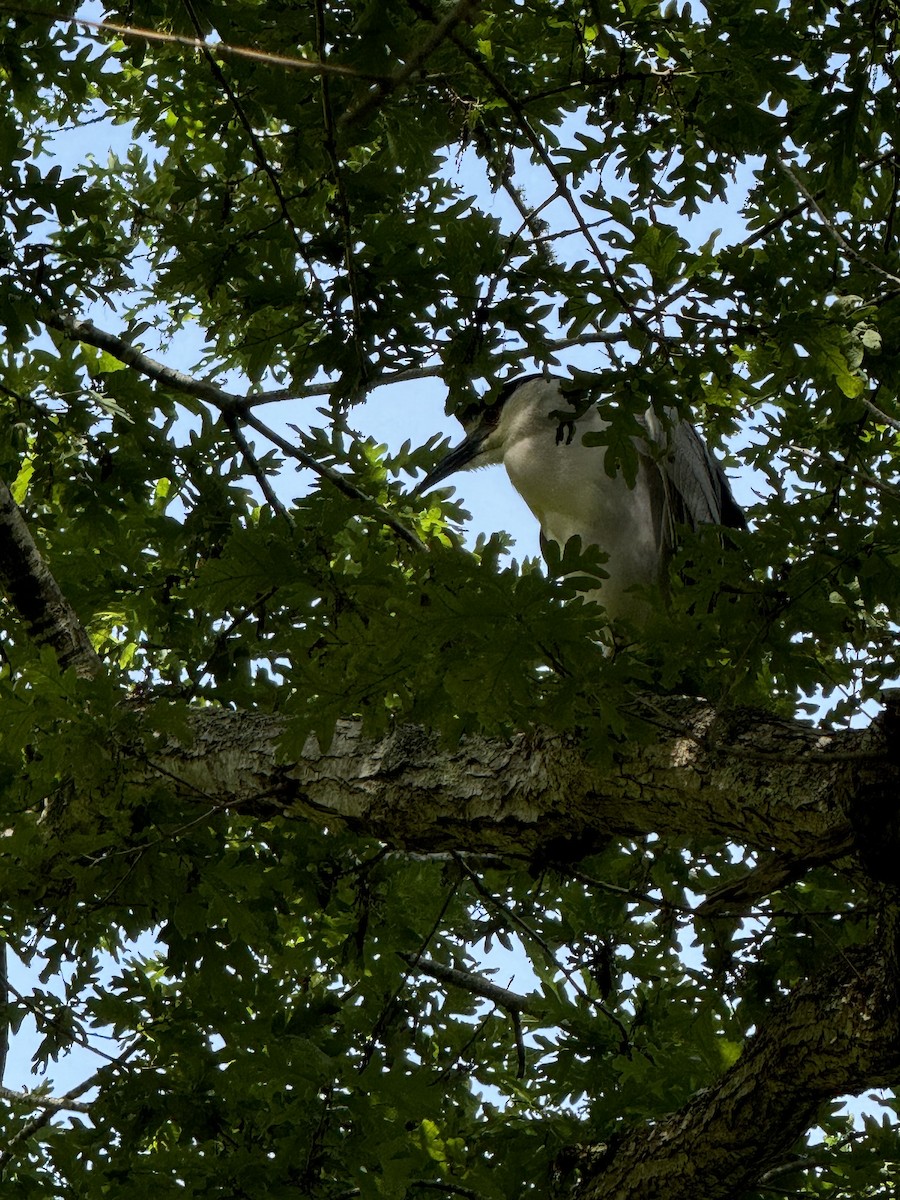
(565, 485)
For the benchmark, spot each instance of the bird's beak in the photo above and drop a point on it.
(454, 460)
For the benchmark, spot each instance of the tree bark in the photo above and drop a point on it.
(25, 578)
(834, 1034)
(766, 783)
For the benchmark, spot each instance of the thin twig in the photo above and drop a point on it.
(309, 65)
(385, 87)
(253, 465)
(534, 936)
(514, 1003)
(889, 489)
(776, 222)
(339, 481)
(170, 378)
(204, 389)
(556, 175)
(330, 145)
(626, 893)
(223, 634)
(369, 1048)
(258, 152)
(449, 1189)
(310, 391)
(74, 1032)
(812, 1160)
(849, 249)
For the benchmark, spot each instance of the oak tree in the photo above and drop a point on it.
(290, 774)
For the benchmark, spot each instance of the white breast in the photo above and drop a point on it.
(569, 492)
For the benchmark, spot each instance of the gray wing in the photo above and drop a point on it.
(692, 488)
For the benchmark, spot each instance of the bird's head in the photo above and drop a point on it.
(528, 400)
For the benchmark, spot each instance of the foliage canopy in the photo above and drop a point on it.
(324, 198)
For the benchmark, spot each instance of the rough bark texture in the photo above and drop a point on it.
(837, 1033)
(35, 594)
(769, 784)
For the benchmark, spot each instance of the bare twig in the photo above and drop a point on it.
(469, 981)
(309, 391)
(812, 1160)
(782, 218)
(75, 1034)
(369, 1048)
(204, 389)
(514, 1003)
(448, 1189)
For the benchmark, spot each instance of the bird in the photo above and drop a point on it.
(567, 488)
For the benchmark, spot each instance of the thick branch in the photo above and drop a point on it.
(34, 593)
(766, 783)
(836, 1033)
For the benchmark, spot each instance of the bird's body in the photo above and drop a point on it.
(565, 485)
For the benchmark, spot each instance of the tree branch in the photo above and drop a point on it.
(39, 1100)
(51, 1106)
(329, 143)
(253, 464)
(363, 107)
(226, 402)
(543, 155)
(477, 985)
(168, 377)
(223, 49)
(847, 246)
(26, 579)
(836, 1033)
(259, 153)
(749, 777)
